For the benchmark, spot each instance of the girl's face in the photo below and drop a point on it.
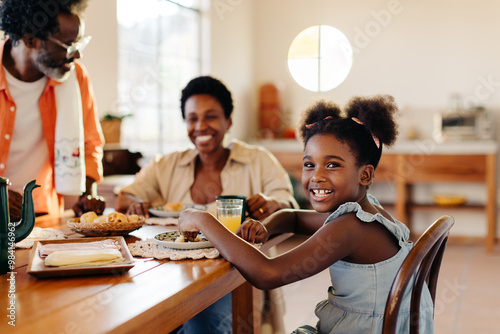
(330, 175)
(206, 122)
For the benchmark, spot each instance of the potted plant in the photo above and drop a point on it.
(111, 127)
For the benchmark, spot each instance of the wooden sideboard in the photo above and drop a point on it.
(425, 163)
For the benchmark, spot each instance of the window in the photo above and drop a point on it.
(158, 53)
(320, 58)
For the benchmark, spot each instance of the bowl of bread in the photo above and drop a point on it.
(115, 223)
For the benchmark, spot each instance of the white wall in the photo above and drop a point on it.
(232, 59)
(101, 55)
(420, 53)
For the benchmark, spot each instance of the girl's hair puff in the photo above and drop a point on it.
(377, 115)
(317, 113)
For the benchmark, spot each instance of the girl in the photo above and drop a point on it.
(350, 233)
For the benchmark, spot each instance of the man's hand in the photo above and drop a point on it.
(88, 203)
(15, 205)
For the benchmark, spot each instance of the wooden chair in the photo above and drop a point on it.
(423, 261)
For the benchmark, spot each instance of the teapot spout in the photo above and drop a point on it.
(27, 222)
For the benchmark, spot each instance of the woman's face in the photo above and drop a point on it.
(330, 175)
(206, 122)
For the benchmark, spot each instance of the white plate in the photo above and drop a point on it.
(167, 239)
(160, 212)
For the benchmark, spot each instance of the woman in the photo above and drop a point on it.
(201, 174)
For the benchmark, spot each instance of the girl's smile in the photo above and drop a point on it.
(320, 195)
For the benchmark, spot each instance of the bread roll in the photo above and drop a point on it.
(117, 217)
(88, 217)
(133, 218)
(101, 219)
(173, 206)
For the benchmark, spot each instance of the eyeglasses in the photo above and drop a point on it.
(75, 47)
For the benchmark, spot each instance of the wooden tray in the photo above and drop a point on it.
(37, 267)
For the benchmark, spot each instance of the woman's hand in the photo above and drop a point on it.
(260, 206)
(139, 208)
(252, 231)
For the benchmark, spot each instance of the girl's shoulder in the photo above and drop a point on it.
(354, 209)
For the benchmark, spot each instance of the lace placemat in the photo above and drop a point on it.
(150, 248)
(162, 221)
(39, 233)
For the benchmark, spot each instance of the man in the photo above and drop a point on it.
(49, 129)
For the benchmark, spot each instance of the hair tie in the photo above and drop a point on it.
(308, 126)
(375, 139)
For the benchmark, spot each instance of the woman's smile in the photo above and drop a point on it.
(203, 139)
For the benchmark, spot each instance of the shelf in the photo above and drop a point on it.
(434, 207)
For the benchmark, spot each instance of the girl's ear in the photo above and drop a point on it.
(366, 177)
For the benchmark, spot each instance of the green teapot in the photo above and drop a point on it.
(10, 233)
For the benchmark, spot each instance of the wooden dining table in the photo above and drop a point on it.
(154, 296)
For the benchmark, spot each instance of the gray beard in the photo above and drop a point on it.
(56, 73)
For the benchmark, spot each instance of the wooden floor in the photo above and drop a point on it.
(467, 299)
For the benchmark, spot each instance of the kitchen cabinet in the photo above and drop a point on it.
(421, 162)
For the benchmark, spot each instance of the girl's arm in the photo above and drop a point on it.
(283, 221)
(329, 244)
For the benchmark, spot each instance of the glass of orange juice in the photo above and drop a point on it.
(229, 212)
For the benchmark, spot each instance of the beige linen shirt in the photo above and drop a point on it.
(249, 170)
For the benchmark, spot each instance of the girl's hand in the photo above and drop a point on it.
(139, 208)
(188, 220)
(252, 231)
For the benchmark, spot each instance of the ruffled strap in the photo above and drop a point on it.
(397, 228)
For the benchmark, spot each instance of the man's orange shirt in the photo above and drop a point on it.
(46, 199)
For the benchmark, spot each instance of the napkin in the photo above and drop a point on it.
(69, 144)
(39, 233)
(150, 248)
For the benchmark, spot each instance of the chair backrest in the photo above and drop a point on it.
(423, 261)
